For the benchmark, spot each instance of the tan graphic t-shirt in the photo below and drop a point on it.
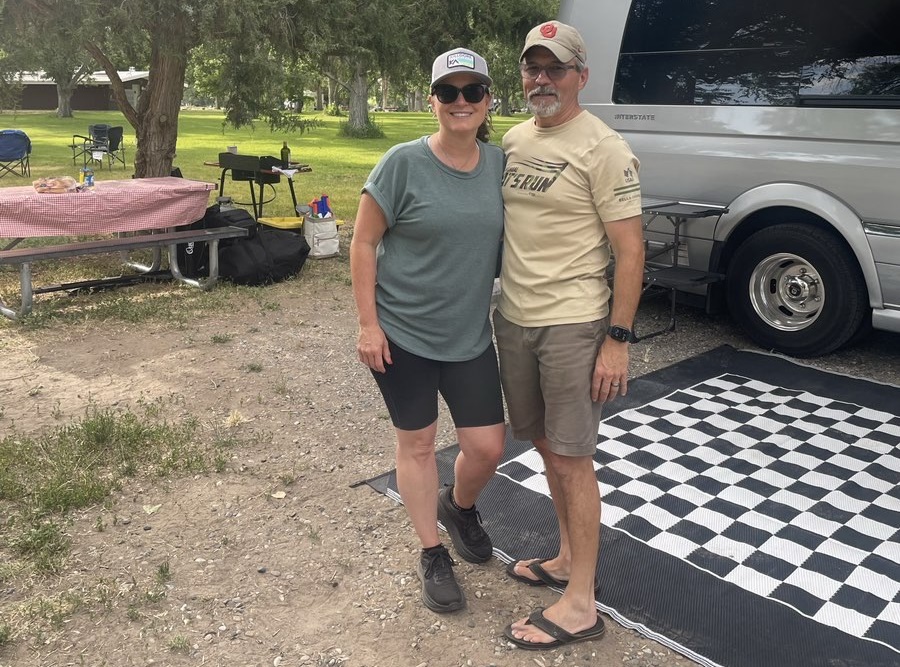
(561, 186)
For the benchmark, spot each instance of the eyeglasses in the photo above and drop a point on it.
(553, 72)
(447, 94)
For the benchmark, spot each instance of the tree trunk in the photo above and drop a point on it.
(160, 103)
(64, 101)
(359, 97)
(332, 92)
(155, 121)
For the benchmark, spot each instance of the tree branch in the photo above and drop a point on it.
(118, 88)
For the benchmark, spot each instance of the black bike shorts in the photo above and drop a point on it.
(471, 389)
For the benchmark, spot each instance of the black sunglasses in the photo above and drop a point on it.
(447, 94)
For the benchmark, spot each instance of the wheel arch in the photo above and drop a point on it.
(775, 203)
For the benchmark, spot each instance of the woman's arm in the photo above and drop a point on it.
(370, 226)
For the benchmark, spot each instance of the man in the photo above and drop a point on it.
(571, 193)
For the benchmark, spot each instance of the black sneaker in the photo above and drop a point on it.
(440, 592)
(465, 529)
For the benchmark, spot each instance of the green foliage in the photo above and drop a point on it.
(371, 130)
(334, 110)
(9, 90)
(292, 122)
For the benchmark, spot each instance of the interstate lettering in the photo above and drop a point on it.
(635, 116)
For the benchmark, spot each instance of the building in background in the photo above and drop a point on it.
(92, 94)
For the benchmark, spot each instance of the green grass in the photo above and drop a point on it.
(340, 164)
(340, 167)
(179, 644)
(46, 477)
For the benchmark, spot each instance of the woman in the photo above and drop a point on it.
(432, 214)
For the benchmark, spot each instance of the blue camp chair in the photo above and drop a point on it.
(15, 149)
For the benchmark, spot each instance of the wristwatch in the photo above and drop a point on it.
(621, 334)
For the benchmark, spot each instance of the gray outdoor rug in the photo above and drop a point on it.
(751, 512)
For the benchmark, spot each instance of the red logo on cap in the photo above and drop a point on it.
(548, 30)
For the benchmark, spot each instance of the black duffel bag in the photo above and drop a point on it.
(269, 256)
(193, 258)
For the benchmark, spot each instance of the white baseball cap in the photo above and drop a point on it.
(460, 61)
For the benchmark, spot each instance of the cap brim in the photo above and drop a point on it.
(562, 53)
(486, 80)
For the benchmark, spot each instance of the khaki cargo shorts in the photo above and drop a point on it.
(546, 374)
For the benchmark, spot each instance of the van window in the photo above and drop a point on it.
(761, 52)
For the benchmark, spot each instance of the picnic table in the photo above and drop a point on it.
(141, 213)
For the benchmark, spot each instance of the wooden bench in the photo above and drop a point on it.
(24, 257)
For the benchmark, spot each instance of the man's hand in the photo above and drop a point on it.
(610, 372)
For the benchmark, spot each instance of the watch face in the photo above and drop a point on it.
(620, 334)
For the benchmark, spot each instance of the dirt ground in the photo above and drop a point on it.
(279, 560)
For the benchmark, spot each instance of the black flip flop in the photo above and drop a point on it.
(561, 637)
(544, 578)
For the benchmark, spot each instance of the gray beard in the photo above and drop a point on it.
(543, 109)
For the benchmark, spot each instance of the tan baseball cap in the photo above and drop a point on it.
(460, 61)
(563, 40)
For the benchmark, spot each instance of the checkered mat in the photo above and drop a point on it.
(751, 512)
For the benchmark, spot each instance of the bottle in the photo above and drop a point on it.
(88, 178)
(324, 208)
(285, 155)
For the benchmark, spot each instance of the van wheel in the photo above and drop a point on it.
(796, 289)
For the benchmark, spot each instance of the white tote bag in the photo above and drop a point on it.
(322, 236)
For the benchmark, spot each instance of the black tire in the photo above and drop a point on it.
(797, 289)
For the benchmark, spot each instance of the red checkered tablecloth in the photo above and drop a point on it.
(112, 206)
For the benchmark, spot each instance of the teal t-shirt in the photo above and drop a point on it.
(437, 261)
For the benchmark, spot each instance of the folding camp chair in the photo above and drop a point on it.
(15, 151)
(115, 146)
(90, 148)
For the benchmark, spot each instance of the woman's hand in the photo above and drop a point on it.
(372, 348)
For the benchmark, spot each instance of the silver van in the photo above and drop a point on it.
(785, 112)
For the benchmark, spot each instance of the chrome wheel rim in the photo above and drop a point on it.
(787, 292)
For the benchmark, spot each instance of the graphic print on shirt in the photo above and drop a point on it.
(533, 174)
(632, 187)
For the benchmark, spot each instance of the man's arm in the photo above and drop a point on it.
(626, 237)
